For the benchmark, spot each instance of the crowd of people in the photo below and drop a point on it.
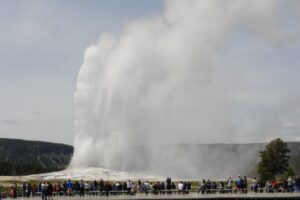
(229, 186)
(291, 184)
(81, 188)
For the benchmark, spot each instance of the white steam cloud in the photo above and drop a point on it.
(165, 80)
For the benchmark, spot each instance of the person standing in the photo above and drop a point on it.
(229, 184)
(297, 184)
(81, 188)
(180, 188)
(146, 187)
(44, 191)
(49, 191)
(129, 186)
(290, 183)
(13, 190)
(29, 190)
(69, 187)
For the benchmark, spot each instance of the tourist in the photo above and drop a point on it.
(202, 186)
(180, 188)
(169, 184)
(129, 186)
(44, 190)
(255, 185)
(297, 184)
(64, 187)
(69, 187)
(245, 184)
(107, 187)
(208, 186)
(275, 185)
(284, 185)
(81, 188)
(147, 187)
(290, 184)
(29, 190)
(221, 187)
(34, 189)
(117, 186)
(239, 183)
(95, 186)
(1, 192)
(214, 187)
(157, 187)
(139, 186)
(229, 184)
(268, 186)
(86, 187)
(134, 188)
(76, 188)
(49, 191)
(101, 186)
(26, 189)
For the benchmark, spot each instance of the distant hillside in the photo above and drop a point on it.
(21, 157)
(295, 156)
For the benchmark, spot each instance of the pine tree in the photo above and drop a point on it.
(274, 160)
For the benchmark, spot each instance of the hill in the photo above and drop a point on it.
(295, 156)
(22, 157)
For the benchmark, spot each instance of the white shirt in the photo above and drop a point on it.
(180, 186)
(128, 184)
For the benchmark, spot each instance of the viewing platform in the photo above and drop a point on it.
(192, 196)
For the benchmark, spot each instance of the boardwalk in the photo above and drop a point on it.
(192, 196)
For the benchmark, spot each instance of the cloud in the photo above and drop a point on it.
(10, 121)
(36, 112)
(292, 126)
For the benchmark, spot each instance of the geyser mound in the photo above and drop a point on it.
(165, 81)
(89, 173)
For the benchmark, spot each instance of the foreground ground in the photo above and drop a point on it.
(192, 196)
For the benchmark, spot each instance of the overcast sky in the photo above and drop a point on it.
(41, 51)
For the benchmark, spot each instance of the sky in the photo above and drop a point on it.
(41, 50)
(42, 45)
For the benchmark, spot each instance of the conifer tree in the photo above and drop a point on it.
(274, 160)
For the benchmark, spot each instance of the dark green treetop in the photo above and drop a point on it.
(274, 160)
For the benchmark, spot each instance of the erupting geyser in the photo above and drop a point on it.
(166, 81)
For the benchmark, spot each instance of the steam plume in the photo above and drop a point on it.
(165, 80)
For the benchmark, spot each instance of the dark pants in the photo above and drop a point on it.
(81, 191)
(44, 195)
